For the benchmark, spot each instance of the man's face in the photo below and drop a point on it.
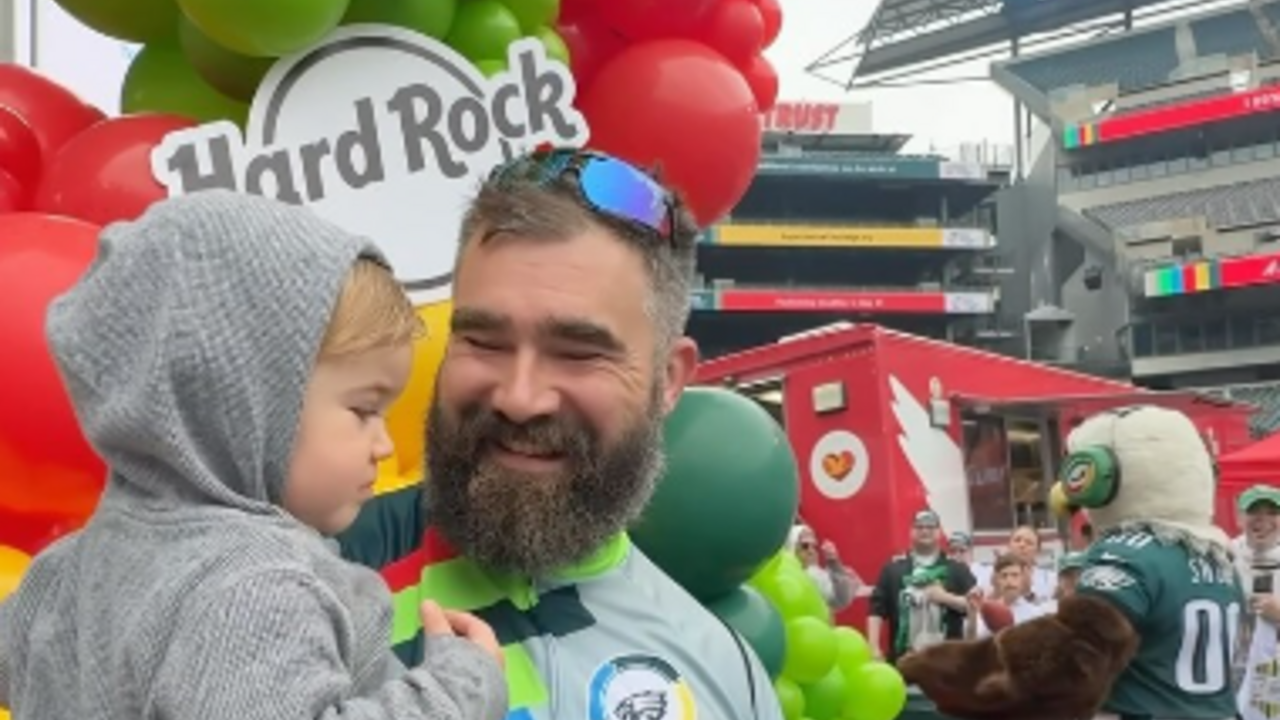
(545, 431)
(1010, 582)
(924, 538)
(1261, 525)
(1024, 544)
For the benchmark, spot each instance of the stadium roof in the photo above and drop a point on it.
(905, 34)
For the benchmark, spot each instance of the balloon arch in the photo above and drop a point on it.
(678, 84)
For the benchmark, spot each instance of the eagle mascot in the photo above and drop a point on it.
(1151, 630)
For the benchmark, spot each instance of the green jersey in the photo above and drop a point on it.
(1186, 609)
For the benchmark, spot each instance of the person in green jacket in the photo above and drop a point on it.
(567, 350)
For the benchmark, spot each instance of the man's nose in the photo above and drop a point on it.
(526, 391)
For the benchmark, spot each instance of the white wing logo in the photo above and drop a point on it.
(935, 458)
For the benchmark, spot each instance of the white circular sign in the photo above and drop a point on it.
(839, 464)
(385, 132)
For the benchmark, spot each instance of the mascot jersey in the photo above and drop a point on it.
(1186, 607)
(612, 638)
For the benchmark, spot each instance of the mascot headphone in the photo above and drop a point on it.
(1091, 476)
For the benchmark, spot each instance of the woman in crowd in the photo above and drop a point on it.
(838, 585)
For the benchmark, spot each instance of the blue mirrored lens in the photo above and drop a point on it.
(616, 188)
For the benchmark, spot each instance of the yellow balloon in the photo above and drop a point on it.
(4, 715)
(406, 421)
(13, 564)
(391, 479)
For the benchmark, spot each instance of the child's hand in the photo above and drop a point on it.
(438, 621)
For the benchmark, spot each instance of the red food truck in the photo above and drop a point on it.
(885, 424)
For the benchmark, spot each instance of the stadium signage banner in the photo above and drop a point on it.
(846, 236)
(888, 302)
(380, 130)
(1171, 117)
(1219, 274)
(815, 118)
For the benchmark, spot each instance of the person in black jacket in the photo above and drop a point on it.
(921, 595)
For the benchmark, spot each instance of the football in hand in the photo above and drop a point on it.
(996, 616)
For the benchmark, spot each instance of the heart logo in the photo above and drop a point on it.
(838, 465)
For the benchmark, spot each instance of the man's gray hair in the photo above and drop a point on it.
(555, 209)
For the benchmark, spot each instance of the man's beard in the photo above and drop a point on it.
(536, 523)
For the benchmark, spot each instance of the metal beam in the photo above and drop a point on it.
(8, 31)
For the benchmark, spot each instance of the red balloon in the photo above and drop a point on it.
(19, 149)
(679, 105)
(735, 29)
(591, 45)
(53, 113)
(104, 174)
(573, 10)
(771, 13)
(763, 80)
(47, 466)
(13, 197)
(653, 19)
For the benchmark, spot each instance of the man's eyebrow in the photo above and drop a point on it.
(582, 332)
(472, 320)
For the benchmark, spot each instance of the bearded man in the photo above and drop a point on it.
(571, 294)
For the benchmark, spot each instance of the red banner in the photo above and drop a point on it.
(1253, 270)
(832, 301)
(1176, 117)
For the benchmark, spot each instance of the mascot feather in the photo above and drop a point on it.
(1151, 630)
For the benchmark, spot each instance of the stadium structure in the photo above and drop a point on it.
(840, 225)
(1143, 220)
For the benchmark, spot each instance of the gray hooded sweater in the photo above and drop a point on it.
(190, 594)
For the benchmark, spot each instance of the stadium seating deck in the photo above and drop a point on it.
(1264, 396)
(1134, 63)
(1240, 205)
(1146, 59)
(1233, 34)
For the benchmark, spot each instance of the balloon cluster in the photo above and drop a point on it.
(828, 673)
(65, 171)
(721, 511)
(678, 84)
(675, 84)
(61, 156)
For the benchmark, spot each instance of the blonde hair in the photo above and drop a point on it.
(372, 312)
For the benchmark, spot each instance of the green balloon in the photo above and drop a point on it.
(551, 40)
(232, 74)
(795, 596)
(826, 698)
(429, 17)
(852, 650)
(876, 692)
(788, 562)
(811, 650)
(139, 21)
(489, 68)
(746, 611)
(482, 29)
(728, 496)
(533, 14)
(265, 28)
(160, 80)
(790, 697)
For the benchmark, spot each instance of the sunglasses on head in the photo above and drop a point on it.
(610, 186)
